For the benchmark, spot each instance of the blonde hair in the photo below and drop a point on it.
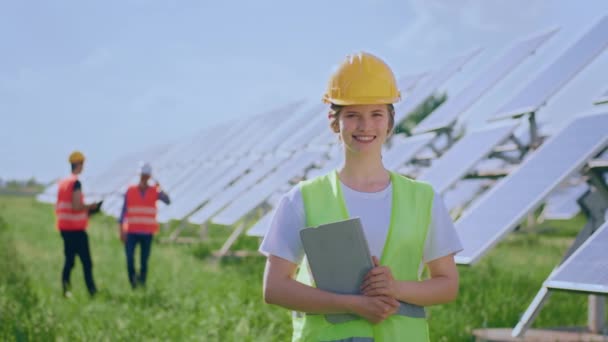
(334, 114)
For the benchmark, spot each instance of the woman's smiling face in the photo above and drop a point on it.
(364, 128)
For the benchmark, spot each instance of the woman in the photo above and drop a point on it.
(405, 223)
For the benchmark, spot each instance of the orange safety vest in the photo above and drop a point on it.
(69, 219)
(141, 211)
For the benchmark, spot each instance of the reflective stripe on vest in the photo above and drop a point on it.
(143, 220)
(72, 217)
(64, 205)
(69, 219)
(410, 217)
(141, 210)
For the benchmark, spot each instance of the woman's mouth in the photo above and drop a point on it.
(364, 138)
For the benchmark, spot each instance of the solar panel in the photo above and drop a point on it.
(221, 186)
(193, 194)
(447, 114)
(200, 175)
(262, 128)
(562, 203)
(258, 193)
(329, 165)
(409, 82)
(324, 138)
(586, 270)
(189, 148)
(461, 158)
(172, 176)
(522, 191)
(222, 195)
(255, 131)
(462, 193)
(49, 195)
(404, 149)
(236, 139)
(554, 77)
(302, 136)
(603, 98)
(112, 205)
(189, 151)
(261, 227)
(277, 137)
(429, 85)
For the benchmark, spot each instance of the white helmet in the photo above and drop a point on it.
(145, 168)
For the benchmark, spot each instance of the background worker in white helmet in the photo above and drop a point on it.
(137, 222)
(72, 221)
(405, 223)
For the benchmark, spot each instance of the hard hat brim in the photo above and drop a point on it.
(361, 101)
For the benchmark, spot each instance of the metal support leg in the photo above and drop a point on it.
(593, 203)
(177, 231)
(597, 313)
(231, 239)
(530, 314)
(204, 232)
(534, 135)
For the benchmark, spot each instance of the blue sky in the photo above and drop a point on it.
(113, 77)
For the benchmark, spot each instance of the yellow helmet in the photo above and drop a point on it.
(76, 157)
(362, 79)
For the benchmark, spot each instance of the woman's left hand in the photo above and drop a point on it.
(379, 281)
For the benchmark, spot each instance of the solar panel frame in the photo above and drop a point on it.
(237, 138)
(259, 192)
(562, 204)
(302, 137)
(408, 82)
(329, 165)
(551, 79)
(568, 143)
(586, 270)
(462, 156)
(260, 228)
(462, 193)
(193, 194)
(221, 199)
(429, 86)
(404, 149)
(278, 136)
(222, 183)
(602, 98)
(447, 114)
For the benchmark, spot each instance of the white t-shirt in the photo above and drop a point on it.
(374, 210)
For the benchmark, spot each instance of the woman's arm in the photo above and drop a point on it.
(280, 288)
(441, 288)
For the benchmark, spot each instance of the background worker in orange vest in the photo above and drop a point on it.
(138, 222)
(72, 219)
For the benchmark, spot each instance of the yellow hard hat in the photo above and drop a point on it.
(362, 79)
(76, 157)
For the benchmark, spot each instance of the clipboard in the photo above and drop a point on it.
(339, 259)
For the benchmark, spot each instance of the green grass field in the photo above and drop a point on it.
(192, 297)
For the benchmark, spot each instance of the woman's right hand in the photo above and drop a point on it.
(375, 309)
(122, 234)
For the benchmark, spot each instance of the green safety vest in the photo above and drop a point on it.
(403, 249)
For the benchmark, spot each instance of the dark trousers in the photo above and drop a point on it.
(77, 243)
(145, 245)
